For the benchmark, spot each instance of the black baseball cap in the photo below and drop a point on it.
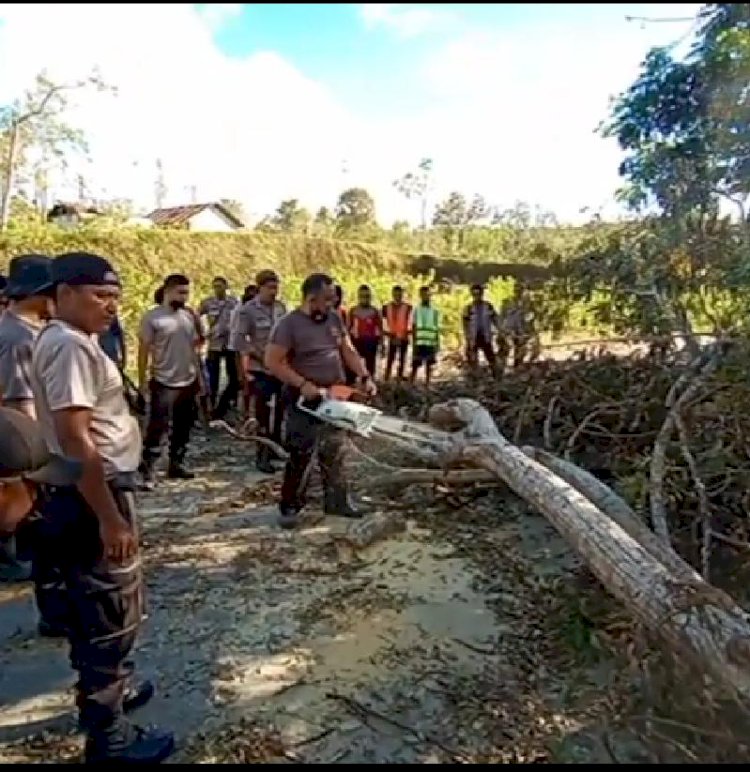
(81, 268)
(24, 453)
(29, 275)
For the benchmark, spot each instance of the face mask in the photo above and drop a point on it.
(177, 304)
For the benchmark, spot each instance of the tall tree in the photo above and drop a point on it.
(324, 222)
(450, 217)
(291, 217)
(416, 186)
(685, 124)
(36, 121)
(478, 211)
(355, 209)
(517, 217)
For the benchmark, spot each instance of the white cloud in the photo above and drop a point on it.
(404, 21)
(255, 129)
(503, 118)
(515, 121)
(218, 15)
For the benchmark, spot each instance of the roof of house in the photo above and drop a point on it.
(179, 215)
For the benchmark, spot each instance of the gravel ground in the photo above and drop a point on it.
(447, 642)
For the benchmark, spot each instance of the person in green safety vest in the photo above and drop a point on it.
(426, 333)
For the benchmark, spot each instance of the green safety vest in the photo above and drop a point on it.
(425, 326)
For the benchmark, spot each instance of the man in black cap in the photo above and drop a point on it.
(30, 307)
(89, 530)
(26, 314)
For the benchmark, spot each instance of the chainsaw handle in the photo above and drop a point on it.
(310, 405)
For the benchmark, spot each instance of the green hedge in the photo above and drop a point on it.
(144, 257)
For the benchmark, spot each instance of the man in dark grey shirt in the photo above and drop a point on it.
(307, 352)
(169, 337)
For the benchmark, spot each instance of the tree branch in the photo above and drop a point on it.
(705, 364)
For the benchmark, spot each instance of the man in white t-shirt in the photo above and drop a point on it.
(169, 370)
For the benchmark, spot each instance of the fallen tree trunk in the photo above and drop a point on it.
(603, 497)
(693, 617)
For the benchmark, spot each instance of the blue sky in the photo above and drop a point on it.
(330, 43)
(264, 102)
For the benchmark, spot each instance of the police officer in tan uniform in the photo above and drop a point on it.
(30, 306)
(257, 318)
(89, 530)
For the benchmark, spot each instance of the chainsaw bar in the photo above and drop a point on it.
(369, 422)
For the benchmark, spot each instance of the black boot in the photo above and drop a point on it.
(122, 742)
(18, 571)
(12, 568)
(136, 695)
(263, 460)
(50, 630)
(288, 516)
(178, 471)
(338, 503)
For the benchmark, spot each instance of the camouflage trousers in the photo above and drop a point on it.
(303, 433)
(104, 600)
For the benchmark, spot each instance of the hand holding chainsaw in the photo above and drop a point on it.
(310, 391)
(368, 386)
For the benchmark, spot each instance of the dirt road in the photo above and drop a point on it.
(456, 640)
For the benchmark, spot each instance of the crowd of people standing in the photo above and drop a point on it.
(79, 439)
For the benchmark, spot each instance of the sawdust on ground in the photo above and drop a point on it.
(434, 645)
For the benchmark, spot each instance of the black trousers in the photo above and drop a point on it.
(396, 348)
(229, 395)
(49, 588)
(367, 348)
(172, 410)
(105, 601)
(483, 344)
(266, 388)
(302, 431)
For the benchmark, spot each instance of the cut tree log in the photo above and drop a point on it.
(365, 532)
(692, 617)
(404, 477)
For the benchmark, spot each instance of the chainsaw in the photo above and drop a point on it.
(344, 409)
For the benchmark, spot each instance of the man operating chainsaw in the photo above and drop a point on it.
(308, 352)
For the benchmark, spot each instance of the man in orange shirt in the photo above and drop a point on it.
(366, 329)
(397, 316)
